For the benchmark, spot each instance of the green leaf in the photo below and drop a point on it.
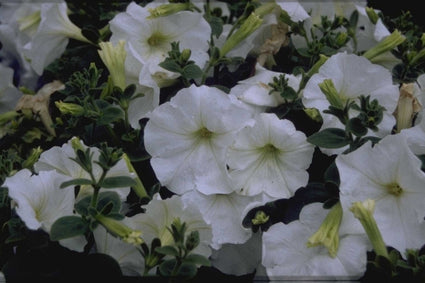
(76, 182)
(67, 227)
(109, 115)
(355, 125)
(329, 138)
(129, 91)
(197, 259)
(118, 182)
(166, 268)
(187, 270)
(104, 198)
(109, 198)
(167, 250)
(171, 66)
(192, 71)
(216, 24)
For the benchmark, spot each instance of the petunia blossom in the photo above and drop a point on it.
(390, 174)
(52, 36)
(286, 255)
(58, 158)
(160, 214)
(271, 157)
(188, 137)
(352, 77)
(256, 92)
(39, 199)
(151, 38)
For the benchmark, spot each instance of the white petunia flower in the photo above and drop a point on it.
(127, 255)
(224, 212)
(52, 36)
(59, 159)
(255, 90)
(286, 255)
(352, 77)
(39, 199)
(151, 38)
(271, 157)
(160, 214)
(188, 136)
(9, 94)
(40, 202)
(390, 174)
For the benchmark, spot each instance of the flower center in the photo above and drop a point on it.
(157, 39)
(204, 133)
(269, 149)
(394, 189)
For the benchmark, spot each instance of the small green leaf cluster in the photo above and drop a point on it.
(178, 62)
(395, 268)
(178, 259)
(107, 204)
(369, 116)
(334, 34)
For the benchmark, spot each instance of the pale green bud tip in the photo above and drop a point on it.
(76, 144)
(341, 38)
(114, 59)
(328, 233)
(332, 95)
(363, 211)
(251, 24)
(185, 55)
(423, 38)
(387, 44)
(265, 9)
(260, 218)
(168, 9)
(69, 108)
(119, 229)
(314, 114)
(33, 157)
(134, 238)
(139, 188)
(372, 15)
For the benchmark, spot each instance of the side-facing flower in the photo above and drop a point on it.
(39, 199)
(58, 158)
(352, 76)
(188, 136)
(286, 252)
(257, 93)
(160, 214)
(390, 174)
(271, 157)
(52, 36)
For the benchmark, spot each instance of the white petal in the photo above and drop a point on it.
(40, 204)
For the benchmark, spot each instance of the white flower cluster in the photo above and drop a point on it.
(223, 153)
